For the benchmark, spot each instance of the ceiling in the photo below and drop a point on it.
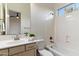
(52, 6)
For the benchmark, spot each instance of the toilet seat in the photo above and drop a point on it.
(45, 52)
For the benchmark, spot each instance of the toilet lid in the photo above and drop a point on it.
(45, 52)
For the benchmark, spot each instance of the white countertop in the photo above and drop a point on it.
(11, 43)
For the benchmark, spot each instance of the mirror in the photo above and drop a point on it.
(17, 18)
(2, 21)
(14, 22)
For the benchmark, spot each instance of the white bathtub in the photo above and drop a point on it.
(54, 51)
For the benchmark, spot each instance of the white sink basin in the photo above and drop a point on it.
(16, 41)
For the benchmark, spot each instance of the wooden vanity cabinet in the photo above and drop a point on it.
(16, 50)
(4, 52)
(22, 50)
(31, 49)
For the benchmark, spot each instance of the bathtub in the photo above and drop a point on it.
(54, 51)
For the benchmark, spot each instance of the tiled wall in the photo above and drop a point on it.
(10, 37)
(6, 37)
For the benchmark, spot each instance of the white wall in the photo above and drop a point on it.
(24, 9)
(41, 25)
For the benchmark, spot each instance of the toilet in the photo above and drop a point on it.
(41, 49)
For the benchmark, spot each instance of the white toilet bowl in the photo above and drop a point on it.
(45, 52)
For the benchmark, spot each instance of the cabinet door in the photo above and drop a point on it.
(4, 52)
(31, 46)
(31, 52)
(20, 54)
(16, 50)
(27, 53)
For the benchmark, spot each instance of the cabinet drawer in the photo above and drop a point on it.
(31, 46)
(31, 52)
(16, 50)
(27, 53)
(20, 54)
(4, 52)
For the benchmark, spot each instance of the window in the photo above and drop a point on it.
(68, 9)
(77, 6)
(61, 12)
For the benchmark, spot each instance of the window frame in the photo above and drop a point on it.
(64, 7)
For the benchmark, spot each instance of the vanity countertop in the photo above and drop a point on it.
(12, 43)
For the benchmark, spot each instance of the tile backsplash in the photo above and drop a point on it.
(10, 37)
(7, 37)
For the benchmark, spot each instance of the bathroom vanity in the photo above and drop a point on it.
(22, 50)
(18, 48)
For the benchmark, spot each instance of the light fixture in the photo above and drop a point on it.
(52, 13)
(17, 16)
